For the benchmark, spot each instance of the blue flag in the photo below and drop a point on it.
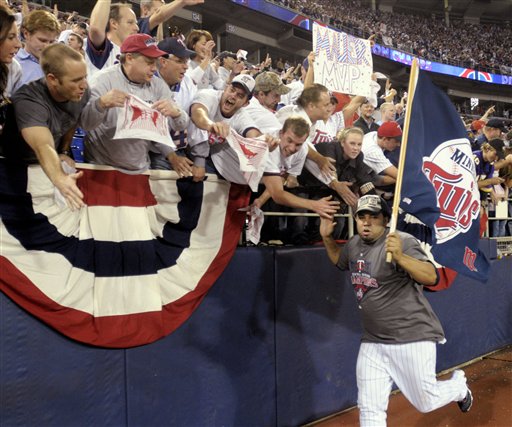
(439, 184)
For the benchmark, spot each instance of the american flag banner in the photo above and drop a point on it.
(439, 183)
(127, 269)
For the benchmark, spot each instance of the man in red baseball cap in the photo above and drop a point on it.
(143, 44)
(387, 137)
(139, 53)
(134, 75)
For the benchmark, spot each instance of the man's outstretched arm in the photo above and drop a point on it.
(326, 229)
(41, 141)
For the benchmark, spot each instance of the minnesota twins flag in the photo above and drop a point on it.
(439, 184)
(128, 268)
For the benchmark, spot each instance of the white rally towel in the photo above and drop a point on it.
(252, 155)
(138, 120)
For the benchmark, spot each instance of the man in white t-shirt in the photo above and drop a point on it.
(288, 160)
(213, 113)
(314, 105)
(326, 130)
(387, 137)
(266, 95)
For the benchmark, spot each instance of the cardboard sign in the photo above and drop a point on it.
(343, 63)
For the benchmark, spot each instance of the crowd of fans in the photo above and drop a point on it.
(478, 46)
(326, 151)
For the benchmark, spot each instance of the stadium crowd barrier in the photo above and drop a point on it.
(274, 343)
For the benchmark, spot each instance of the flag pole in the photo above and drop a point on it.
(413, 80)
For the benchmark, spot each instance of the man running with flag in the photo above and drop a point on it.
(400, 329)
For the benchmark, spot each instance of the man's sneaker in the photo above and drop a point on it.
(466, 403)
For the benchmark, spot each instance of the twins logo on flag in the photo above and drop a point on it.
(451, 171)
(127, 269)
(439, 184)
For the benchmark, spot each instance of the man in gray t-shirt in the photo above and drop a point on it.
(400, 328)
(46, 113)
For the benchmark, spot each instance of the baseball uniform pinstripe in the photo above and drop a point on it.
(412, 367)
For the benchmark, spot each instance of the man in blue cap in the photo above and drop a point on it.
(172, 69)
(491, 130)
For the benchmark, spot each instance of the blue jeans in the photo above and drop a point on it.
(500, 227)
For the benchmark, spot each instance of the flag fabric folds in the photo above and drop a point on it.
(127, 269)
(439, 183)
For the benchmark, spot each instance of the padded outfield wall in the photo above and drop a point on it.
(273, 344)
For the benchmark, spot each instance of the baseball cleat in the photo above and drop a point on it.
(466, 403)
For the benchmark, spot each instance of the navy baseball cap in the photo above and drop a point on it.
(175, 46)
(496, 123)
(498, 145)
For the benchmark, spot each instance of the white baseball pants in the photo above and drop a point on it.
(412, 367)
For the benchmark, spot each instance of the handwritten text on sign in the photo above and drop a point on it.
(343, 63)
